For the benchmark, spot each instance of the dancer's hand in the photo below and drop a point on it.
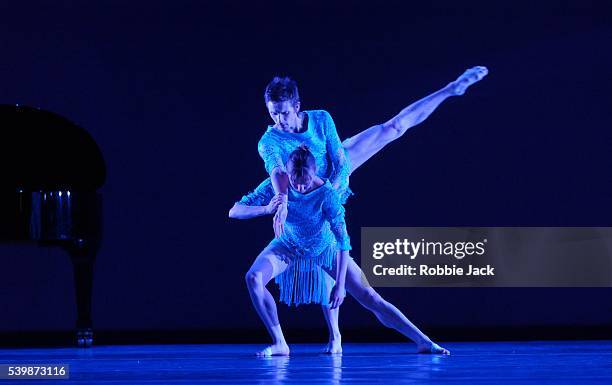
(279, 220)
(276, 201)
(337, 296)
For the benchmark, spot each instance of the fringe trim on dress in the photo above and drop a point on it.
(304, 281)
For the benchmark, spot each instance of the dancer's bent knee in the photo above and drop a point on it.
(254, 279)
(371, 299)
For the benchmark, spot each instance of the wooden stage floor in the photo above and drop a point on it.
(536, 362)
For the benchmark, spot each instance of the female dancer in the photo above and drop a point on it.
(335, 160)
(315, 241)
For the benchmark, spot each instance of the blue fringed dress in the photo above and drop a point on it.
(314, 231)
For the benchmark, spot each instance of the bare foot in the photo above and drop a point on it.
(431, 348)
(469, 77)
(333, 347)
(274, 350)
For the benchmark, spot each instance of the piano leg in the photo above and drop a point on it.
(83, 255)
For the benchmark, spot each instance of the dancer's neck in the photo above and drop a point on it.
(300, 124)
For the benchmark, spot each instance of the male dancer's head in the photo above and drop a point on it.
(302, 170)
(283, 102)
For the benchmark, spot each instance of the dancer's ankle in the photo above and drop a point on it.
(451, 89)
(277, 335)
(424, 341)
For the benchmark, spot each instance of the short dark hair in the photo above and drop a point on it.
(282, 89)
(300, 163)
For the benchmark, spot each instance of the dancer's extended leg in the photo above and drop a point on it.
(268, 265)
(364, 145)
(387, 314)
(334, 346)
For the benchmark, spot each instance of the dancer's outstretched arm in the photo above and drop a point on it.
(241, 211)
(260, 201)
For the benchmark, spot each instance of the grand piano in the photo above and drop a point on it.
(51, 172)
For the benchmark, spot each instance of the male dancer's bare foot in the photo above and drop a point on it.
(279, 349)
(468, 78)
(431, 347)
(334, 346)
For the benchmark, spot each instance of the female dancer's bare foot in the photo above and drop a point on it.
(431, 347)
(468, 78)
(334, 346)
(279, 349)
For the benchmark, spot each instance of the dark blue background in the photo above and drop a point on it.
(172, 92)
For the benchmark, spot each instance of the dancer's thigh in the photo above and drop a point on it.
(356, 281)
(272, 261)
(362, 146)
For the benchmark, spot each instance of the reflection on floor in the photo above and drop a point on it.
(555, 362)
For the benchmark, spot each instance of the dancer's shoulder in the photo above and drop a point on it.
(320, 120)
(267, 133)
(319, 114)
(268, 137)
(330, 192)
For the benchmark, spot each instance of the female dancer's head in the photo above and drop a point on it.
(283, 102)
(302, 169)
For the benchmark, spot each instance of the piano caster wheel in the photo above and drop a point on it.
(84, 338)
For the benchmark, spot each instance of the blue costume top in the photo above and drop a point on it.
(323, 142)
(314, 231)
